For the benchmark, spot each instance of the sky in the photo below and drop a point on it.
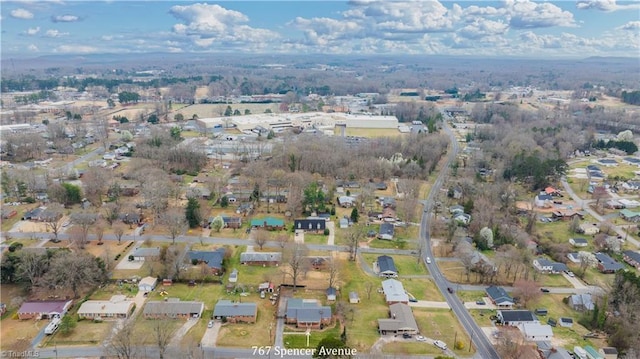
(509, 28)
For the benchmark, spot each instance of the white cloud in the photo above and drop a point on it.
(33, 48)
(605, 5)
(33, 31)
(481, 27)
(76, 49)
(206, 25)
(65, 18)
(55, 33)
(21, 14)
(525, 14)
(631, 25)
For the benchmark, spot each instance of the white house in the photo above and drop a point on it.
(578, 242)
(589, 229)
(147, 284)
(354, 298)
(535, 332)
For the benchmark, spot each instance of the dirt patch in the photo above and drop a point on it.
(108, 247)
(28, 226)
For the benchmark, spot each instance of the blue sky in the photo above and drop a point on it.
(519, 28)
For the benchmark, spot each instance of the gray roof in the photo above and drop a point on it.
(353, 295)
(633, 255)
(557, 266)
(517, 315)
(386, 228)
(212, 258)
(173, 307)
(386, 264)
(394, 291)
(579, 240)
(227, 308)
(307, 310)
(608, 263)
(582, 300)
(260, 257)
(331, 291)
(403, 313)
(499, 295)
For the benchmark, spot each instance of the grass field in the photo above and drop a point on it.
(86, 332)
(443, 325)
(422, 289)
(246, 335)
(300, 340)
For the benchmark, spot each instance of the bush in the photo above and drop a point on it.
(15, 246)
(131, 257)
(29, 200)
(326, 231)
(459, 345)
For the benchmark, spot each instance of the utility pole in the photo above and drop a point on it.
(471, 341)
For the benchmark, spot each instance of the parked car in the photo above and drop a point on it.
(413, 300)
(544, 290)
(210, 324)
(480, 302)
(420, 338)
(570, 273)
(450, 290)
(440, 344)
(406, 335)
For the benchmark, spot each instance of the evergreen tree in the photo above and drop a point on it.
(192, 213)
(355, 215)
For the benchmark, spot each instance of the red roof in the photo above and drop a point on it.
(45, 306)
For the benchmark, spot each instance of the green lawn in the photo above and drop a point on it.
(300, 340)
(443, 325)
(482, 316)
(553, 280)
(395, 244)
(86, 332)
(310, 238)
(470, 295)
(422, 289)
(246, 335)
(251, 275)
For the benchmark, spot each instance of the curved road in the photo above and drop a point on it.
(484, 349)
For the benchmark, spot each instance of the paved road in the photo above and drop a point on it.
(484, 348)
(584, 204)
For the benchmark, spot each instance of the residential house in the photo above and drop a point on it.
(131, 218)
(400, 321)
(331, 294)
(607, 264)
(146, 253)
(580, 302)
(387, 202)
(346, 201)
(578, 242)
(535, 331)
(317, 225)
(589, 229)
(499, 297)
(629, 203)
(45, 309)
(245, 208)
(354, 298)
(547, 266)
(386, 231)
(235, 312)
(565, 322)
(552, 191)
(632, 161)
(609, 352)
(268, 223)
(147, 284)
(574, 257)
(118, 307)
(456, 209)
(543, 200)
(198, 192)
(565, 215)
(462, 218)
(213, 259)
(592, 353)
(34, 214)
(515, 318)
(307, 313)
(394, 292)
(343, 223)
(388, 214)
(632, 258)
(386, 267)
(128, 189)
(261, 258)
(231, 222)
(173, 308)
(266, 287)
(318, 262)
(629, 215)
(607, 162)
(613, 204)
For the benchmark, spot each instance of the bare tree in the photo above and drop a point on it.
(527, 290)
(295, 255)
(101, 131)
(282, 240)
(162, 334)
(95, 181)
(111, 212)
(83, 222)
(32, 266)
(260, 237)
(175, 222)
(74, 271)
(122, 344)
(334, 269)
(119, 232)
(99, 231)
(511, 345)
(53, 223)
(354, 235)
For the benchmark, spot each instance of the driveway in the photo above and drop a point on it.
(332, 234)
(429, 304)
(210, 336)
(575, 282)
(180, 333)
(125, 263)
